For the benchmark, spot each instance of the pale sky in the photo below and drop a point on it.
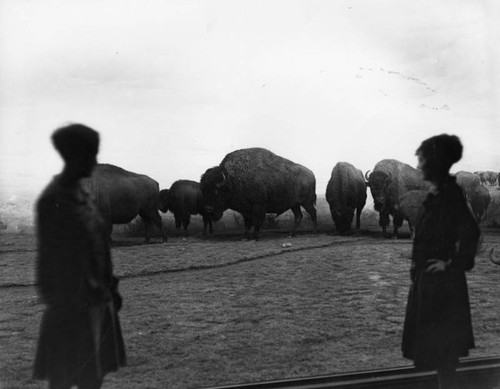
(173, 86)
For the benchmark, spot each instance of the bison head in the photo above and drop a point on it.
(378, 182)
(343, 219)
(164, 203)
(214, 185)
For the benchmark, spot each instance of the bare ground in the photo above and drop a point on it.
(200, 312)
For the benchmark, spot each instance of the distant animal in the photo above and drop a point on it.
(388, 182)
(479, 201)
(492, 177)
(468, 182)
(346, 193)
(482, 176)
(122, 195)
(256, 181)
(183, 199)
(411, 206)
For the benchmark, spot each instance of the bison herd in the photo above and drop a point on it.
(255, 182)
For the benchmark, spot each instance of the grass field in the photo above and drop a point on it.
(200, 312)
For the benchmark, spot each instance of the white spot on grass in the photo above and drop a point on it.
(376, 278)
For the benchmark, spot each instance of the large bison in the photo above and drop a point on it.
(256, 181)
(183, 199)
(468, 182)
(411, 206)
(346, 193)
(122, 195)
(479, 201)
(388, 182)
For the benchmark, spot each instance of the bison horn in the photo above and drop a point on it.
(366, 175)
(496, 262)
(223, 182)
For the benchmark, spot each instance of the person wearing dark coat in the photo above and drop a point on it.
(437, 328)
(80, 335)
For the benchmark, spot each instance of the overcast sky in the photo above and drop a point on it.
(173, 86)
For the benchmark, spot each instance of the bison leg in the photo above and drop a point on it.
(248, 226)
(154, 218)
(397, 222)
(207, 221)
(358, 217)
(298, 218)
(159, 224)
(147, 229)
(178, 223)
(383, 221)
(311, 210)
(185, 222)
(258, 216)
(258, 221)
(334, 216)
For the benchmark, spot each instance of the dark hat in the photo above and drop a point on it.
(75, 140)
(444, 148)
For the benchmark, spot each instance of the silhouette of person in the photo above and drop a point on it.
(80, 336)
(437, 329)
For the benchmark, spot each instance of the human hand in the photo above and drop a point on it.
(437, 265)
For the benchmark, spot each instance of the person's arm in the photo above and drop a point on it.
(44, 269)
(468, 238)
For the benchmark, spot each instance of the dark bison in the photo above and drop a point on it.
(411, 206)
(122, 195)
(346, 193)
(256, 181)
(388, 182)
(479, 201)
(468, 182)
(183, 199)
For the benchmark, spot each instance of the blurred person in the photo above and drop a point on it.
(438, 329)
(80, 336)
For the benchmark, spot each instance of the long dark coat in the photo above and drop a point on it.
(80, 334)
(437, 326)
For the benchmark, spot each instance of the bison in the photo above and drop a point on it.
(183, 199)
(479, 201)
(482, 176)
(256, 181)
(412, 208)
(121, 195)
(491, 177)
(388, 182)
(346, 193)
(468, 182)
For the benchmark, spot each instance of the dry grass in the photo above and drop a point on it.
(254, 310)
(200, 312)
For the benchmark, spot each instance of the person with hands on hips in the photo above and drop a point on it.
(437, 328)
